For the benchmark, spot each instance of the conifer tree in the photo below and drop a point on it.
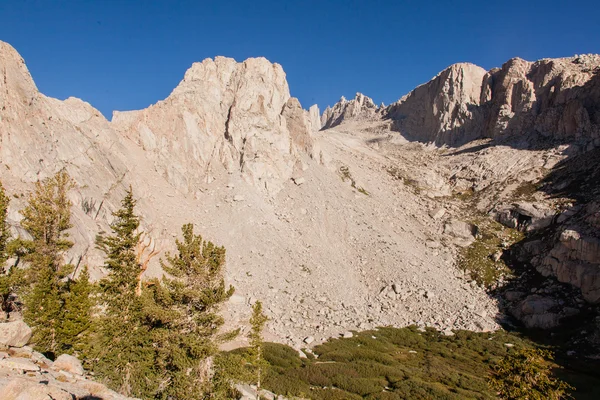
(4, 229)
(77, 305)
(151, 342)
(196, 292)
(257, 323)
(46, 218)
(5, 283)
(119, 286)
(122, 345)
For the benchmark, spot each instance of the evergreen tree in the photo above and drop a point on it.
(195, 293)
(154, 342)
(257, 323)
(121, 262)
(4, 228)
(5, 282)
(122, 348)
(76, 318)
(46, 218)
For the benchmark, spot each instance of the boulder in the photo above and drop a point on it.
(460, 230)
(68, 363)
(21, 389)
(14, 334)
(19, 363)
(536, 311)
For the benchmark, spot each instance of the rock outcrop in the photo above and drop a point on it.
(27, 374)
(553, 98)
(359, 108)
(314, 118)
(224, 114)
(14, 334)
(558, 98)
(444, 110)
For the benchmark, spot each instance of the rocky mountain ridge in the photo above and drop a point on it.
(244, 167)
(223, 114)
(552, 98)
(360, 107)
(231, 151)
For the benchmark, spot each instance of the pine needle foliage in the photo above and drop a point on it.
(197, 289)
(4, 228)
(155, 343)
(5, 278)
(46, 218)
(76, 320)
(121, 350)
(119, 286)
(527, 374)
(256, 358)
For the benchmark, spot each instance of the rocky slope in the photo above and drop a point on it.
(27, 374)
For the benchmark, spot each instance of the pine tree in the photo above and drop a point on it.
(5, 281)
(77, 305)
(195, 293)
(122, 264)
(153, 339)
(257, 323)
(4, 228)
(122, 346)
(46, 218)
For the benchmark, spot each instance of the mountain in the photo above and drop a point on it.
(551, 98)
(360, 107)
(223, 115)
(230, 151)
(350, 220)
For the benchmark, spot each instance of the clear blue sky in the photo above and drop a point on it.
(121, 55)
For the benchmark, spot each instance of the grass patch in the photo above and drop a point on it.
(345, 174)
(482, 259)
(401, 176)
(465, 195)
(392, 363)
(526, 191)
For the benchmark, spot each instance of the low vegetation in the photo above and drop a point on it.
(391, 363)
(400, 175)
(482, 260)
(345, 174)
(526, 374)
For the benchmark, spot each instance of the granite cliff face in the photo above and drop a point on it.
(224, 114)
(444, 110)
(360, 107)
(553, 98)
(557, 98)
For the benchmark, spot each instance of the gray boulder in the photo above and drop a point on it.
(14, 334)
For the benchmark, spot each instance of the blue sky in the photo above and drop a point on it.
(121, 55)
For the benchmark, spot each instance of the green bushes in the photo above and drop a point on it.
(527, 374)
(391, 363)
